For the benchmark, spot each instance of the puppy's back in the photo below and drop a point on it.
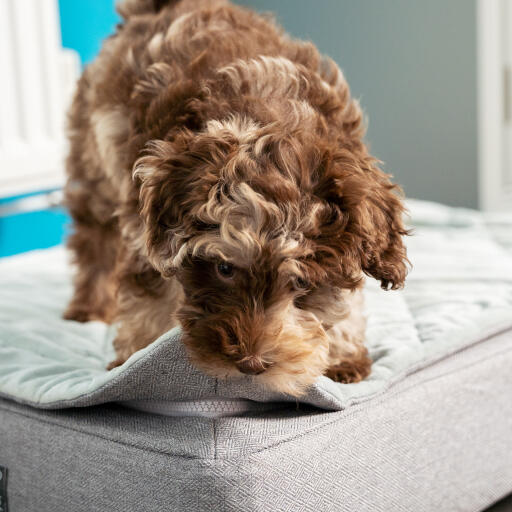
(149, 69)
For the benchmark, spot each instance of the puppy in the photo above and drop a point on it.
(218, 180)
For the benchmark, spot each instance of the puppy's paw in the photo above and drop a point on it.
(124, 350)
(118, 361)
(76, 315)
(349, 372)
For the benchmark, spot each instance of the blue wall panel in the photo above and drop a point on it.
(85, 23)
(33, 230)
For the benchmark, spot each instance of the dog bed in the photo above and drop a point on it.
(430, 429)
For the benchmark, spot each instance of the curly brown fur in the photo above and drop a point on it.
(218, 179)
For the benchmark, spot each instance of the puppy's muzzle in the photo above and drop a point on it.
(252, 365)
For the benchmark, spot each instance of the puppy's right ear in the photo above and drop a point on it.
(166, 192)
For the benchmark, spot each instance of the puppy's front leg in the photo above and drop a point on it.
(348, 357)
(94, 246)
(353, 369)
(147, 307)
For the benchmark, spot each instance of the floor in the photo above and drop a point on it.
(504, 505)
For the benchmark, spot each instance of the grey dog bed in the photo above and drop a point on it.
(430, 429)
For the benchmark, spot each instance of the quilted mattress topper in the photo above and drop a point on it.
(459, 293)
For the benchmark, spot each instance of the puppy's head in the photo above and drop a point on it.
(266, 227)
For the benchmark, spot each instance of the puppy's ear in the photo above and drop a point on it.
(166, 180)
(369, 226)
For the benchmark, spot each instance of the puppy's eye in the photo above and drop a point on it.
(225, 269)
(301, 284)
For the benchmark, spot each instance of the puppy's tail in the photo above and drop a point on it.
(128, 8)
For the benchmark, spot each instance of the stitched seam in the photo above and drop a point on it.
(214, 426)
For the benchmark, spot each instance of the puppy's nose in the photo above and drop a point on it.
(252, 365)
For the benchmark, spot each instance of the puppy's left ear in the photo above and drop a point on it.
(370, 210)
(165, 176)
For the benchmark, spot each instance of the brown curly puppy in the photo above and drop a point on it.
(218, 180)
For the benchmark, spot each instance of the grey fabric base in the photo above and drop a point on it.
(439, 440)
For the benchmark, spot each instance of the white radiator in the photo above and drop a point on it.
(36, 84)
(494, 24)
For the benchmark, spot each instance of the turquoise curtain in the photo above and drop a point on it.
(85, 23)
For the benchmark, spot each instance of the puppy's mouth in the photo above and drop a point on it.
(290, 376)
(286, 360)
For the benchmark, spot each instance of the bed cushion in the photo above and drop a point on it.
(458, 294)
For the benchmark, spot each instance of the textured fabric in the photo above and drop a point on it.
(459, 292)
(438, 441)
(207, 407)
